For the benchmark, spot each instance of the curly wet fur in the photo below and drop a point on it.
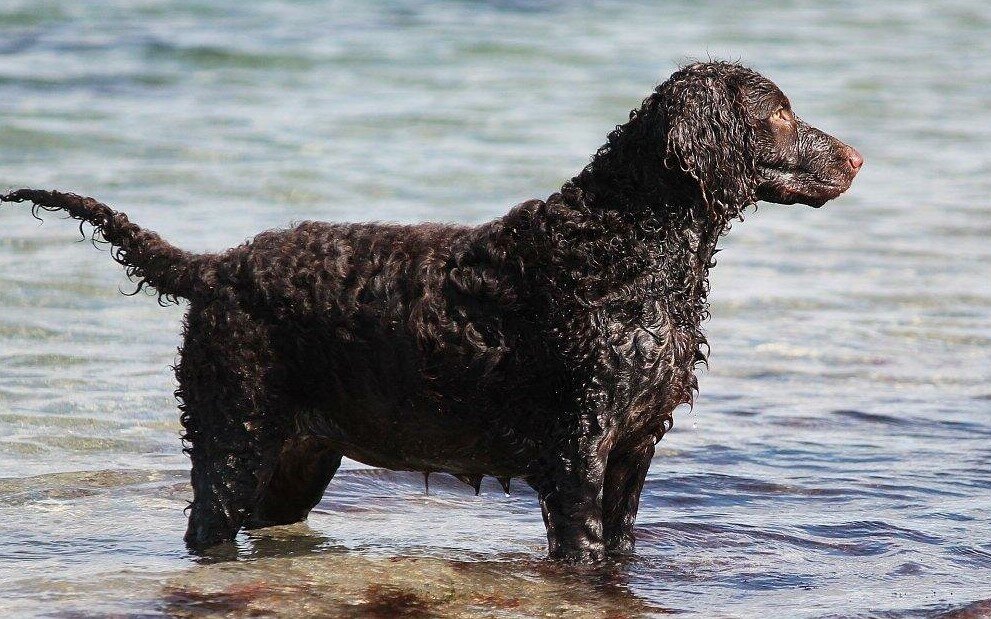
(551, 344)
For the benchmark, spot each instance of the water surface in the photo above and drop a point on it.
(837, 463)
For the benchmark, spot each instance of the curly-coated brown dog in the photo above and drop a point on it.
(551, 344)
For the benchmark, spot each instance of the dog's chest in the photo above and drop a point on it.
(651, 363)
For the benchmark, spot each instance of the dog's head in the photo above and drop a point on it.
(733, 132)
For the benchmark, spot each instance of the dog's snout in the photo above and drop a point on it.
(854, 158)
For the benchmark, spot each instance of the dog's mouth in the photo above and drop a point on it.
(798, 186)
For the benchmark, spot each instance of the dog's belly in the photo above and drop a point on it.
(411, 438)
(389, 399)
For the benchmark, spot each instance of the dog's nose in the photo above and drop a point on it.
(854, 158)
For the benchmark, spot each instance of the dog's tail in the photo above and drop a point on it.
(172, 272)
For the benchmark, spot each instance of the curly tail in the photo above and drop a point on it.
(172, 272)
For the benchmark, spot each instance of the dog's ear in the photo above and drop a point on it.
(708, 138)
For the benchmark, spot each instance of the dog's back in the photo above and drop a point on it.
(398, 341)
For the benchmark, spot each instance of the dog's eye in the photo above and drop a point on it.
(783, 115)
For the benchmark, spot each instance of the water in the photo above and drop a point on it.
(838, 462)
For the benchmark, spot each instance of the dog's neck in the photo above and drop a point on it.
(667, 245)
(618, 253)
(675, 225)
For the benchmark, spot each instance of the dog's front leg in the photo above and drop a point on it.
(569, 486)
(625, 474)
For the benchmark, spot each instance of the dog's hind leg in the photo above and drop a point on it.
(227, 377)
(306, 465)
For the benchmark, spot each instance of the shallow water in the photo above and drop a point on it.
(837, 463)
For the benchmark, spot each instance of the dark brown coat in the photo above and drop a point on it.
(551, 344)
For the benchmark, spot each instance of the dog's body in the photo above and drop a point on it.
(552, 344)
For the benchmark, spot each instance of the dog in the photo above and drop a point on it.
(551, 344)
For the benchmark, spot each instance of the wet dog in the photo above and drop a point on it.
(551, 344)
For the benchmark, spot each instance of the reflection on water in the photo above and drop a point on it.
(837, 462)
